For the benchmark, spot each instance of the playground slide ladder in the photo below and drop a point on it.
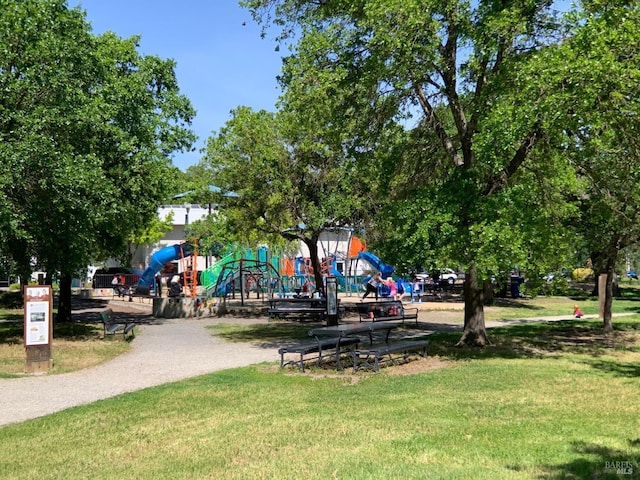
(189, 272)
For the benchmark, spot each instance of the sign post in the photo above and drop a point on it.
(332, 301)
(38, 331)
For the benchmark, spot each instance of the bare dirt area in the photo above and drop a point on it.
(421, 365)
(411, 366)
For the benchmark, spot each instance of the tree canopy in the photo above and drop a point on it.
(603, 134)
(87, 127)
(448, 72)
(481, 93)
(290, 184)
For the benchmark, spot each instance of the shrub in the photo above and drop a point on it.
(11, 300)
(582, 274)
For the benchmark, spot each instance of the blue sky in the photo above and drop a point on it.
(222, 62)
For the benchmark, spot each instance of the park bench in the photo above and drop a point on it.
(132, 291)
(112, 324)
(388, 310)
(372, 357)
(121, 291)
(321, 347)
(297, 307)
(140, 296)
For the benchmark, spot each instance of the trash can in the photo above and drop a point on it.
(516, 280)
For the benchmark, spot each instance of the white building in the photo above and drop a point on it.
(183, 215)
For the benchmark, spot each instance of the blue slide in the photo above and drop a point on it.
(384, 269)
(160, 259)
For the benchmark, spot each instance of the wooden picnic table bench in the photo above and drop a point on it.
(371, 357)
(112, 324)
(386, 310)
(323, 347)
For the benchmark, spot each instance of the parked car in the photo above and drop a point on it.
(446, 274)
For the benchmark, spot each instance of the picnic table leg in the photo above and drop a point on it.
(302, 362)
(338, 363)
(386, 339)
(318, 362)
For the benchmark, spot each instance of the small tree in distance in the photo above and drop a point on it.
(287, 188)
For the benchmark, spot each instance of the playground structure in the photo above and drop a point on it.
(263, 272)
(241, 272)
(269, 272)
(185, 252)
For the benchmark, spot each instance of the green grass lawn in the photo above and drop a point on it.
(508, 309)
(544, 401)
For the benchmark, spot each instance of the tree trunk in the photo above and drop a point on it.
(608, 300)
(489, 298)
(64, 299)
(312, 245)
(475, 333)
(606, 266)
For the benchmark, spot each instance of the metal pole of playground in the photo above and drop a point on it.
(242, 282)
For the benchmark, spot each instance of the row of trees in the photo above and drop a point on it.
(87, 127)
(483, 134)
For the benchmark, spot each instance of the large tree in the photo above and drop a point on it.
(290, 184)
(452, 71)
(87, 125)
(604, 133)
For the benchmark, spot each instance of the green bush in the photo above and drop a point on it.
(558, 286)
(11, 299)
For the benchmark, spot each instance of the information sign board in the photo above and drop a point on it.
(38, 332)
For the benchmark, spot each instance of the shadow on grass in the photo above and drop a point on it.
(529, 340)
(266, 335)
(620, 369)
(86, 323)
(551, 339)
(516, 304)
(12, 333)
(599, 462)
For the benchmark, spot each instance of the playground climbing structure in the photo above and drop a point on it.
(188, 262)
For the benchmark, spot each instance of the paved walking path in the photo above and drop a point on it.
(163, 352)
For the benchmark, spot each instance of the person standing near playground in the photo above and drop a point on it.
(416, 290)
(400, 288)
(158, 289)
(306, 288)
(372, 286)
(175, 288)
(393, 289)
(115, 284)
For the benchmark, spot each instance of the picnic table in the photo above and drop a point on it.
(345, 330)
(297, 307)
(386, 310)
